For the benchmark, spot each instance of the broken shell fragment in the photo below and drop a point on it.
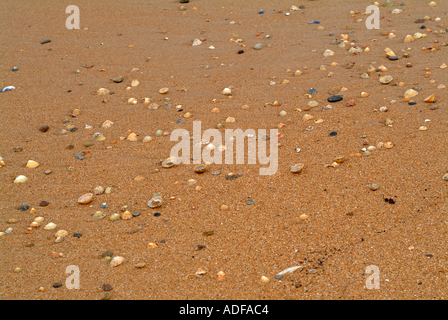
(163, 90)
(99, 215)
(431, 98)
(339, 159)
(156, 200)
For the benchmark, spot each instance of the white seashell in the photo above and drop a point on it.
(39, 219)
(21, 179)
(9, 230)
(50, 226)
(226, 91)
(116, 261)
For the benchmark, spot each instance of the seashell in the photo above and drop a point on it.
(431, 98)
(339, 159)
(107, 124)
(410, 93)
(328, 53)
(307, 117)
(153, 106)
(191, 182)
(230, 119)
(21, 179)
(388, 122)
(282, 113)
(226, 91)
(132, 101)
(169, 162)
(126, 215)
(99, 215)
(364, 94)
(32, 164)
(115, 217)
(409, 38)
(98, 190)
(391, 36)
(297, 168)
(102, 91)
(39, 219)
(187, 115)
(152, 246)
(201, 168)
(388, 145)
(163, 90)
(156, 200)
(423, 128)
(135, 83)
(196, 42)
(386, 79)
(418, 35)
(35, 224)
(297, 73)
(132, 137)
(116, 261)
(8, 88)
(9, 230)
(86, 198)
(443, 66)
(264, 279)
(50, 226)
(445, 177)
(220, 276)
(432, 4)
(147, 139)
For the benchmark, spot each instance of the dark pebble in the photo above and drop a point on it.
(77, 235)
(429, 255)
(70, 147)
(241, 51)
(106, 297)
(73, 129)
(15, 69)
(136, 214)
(44, 203)
(412, 103)
(312, 91)
(314, 22)
(261, 12)
(57, 285)
(393, 58)
(45, 41)
(184, 1)
(157, 214)
(104, 206)
(335, 98)
(118, 79)
(333, 134)
(107, 287)
(179, 121)
(279, 276)
(44, 128)
(80, 156)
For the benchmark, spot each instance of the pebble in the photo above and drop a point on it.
(333, 134)
(44, 128)
(336, 98)
(258, 46)
(45, 41)
(77, 235)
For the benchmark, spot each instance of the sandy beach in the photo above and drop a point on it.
(216, 237)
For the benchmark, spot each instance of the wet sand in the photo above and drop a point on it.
(349, 227)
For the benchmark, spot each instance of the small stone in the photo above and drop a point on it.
(24, 207)
(44, 203)
(77, 235)
(336, 98)
(374, 187)
(250, 202)
(17, 270)
(140, 265)
(333, 134)
(258, 46)
(386, 79)
(118, 79)
(57, 285)
(44, 128)
(45, 41)
(106, 297)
